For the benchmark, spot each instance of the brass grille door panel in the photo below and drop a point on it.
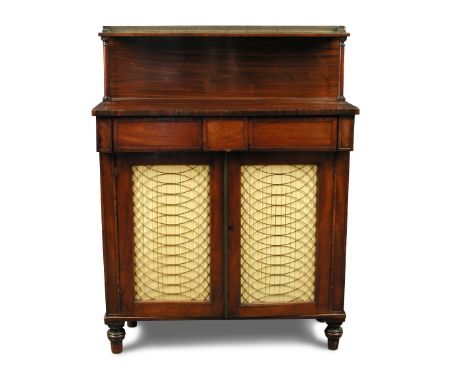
(280, 219)
(172, 236)
(278, 231)
(199, 231)
(171, 213)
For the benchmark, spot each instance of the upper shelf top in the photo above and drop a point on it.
(212, 30)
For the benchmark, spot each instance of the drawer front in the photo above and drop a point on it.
(300, 134)
(225, 134)
(149, 135)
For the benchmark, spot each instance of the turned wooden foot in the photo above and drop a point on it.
(116, 334)
(333, 332)
(132, 324)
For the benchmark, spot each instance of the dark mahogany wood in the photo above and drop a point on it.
(104, 135)
(345, 133)
(149, 134)
(212, 308)
(317, 134)
(333, 332)
(109, 233)
(223, 97)
(340, 215)
(228, 67)
(116, 335)
(250, 106)
(319, 317)
(324, 235)
(225, 134)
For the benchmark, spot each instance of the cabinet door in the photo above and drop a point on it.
(279, 238)
(170, 226)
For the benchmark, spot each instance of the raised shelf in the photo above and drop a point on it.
(222, 107)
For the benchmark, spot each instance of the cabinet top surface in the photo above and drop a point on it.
(212, 30)
(222, 107)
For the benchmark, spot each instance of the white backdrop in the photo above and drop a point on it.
(406, 68)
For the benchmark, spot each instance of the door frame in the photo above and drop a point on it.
(325, 184)
(129, 307)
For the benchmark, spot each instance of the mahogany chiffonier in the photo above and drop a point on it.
(224, 157)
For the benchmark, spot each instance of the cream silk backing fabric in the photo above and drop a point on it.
(171, 206)
(278, 233)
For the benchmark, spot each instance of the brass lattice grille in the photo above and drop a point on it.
(171, 207)
(278, 233)
(226, 30)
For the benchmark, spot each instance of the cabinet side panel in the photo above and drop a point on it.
(104, 135)
(340, 226)
(346, 133)
(109, 232)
